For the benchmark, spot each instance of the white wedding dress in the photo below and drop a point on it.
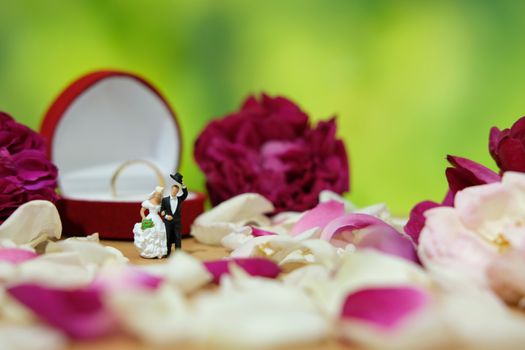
(151, 242)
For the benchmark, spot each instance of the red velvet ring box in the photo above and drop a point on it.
(98, 124)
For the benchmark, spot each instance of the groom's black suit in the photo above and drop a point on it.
(173, 227)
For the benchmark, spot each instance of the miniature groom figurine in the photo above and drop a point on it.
(170, 210)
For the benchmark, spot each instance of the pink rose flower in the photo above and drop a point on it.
(483, 234)
(269, 147)
(25, 172)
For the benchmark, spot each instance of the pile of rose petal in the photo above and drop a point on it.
(462, 285)
(333, 273)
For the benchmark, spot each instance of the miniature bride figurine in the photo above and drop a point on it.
(150, 234)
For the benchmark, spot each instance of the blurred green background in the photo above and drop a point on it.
(410, 81)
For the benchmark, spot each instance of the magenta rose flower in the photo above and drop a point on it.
(507, 146)
(269, 147)
(25, 172)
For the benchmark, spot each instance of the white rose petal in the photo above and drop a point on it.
(7, 243)
(13, 312)
(90, 252)
(237, 209)
(213, 233)
(231, 216)
(182, 271)
(327, 196)
(306, 275)
(55, 270)
(32, 223)
(15, 337)
(257, 313)
(481, 321)
(289, 251)
(91, 238)
(160, 317)
(286, 220)
(234, 240)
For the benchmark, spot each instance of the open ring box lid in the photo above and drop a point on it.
(97, 124)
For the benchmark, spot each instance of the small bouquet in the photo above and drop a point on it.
(147, 223)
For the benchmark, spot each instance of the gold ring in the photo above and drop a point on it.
(126, 164)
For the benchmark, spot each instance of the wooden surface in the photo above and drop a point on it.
(201, 251)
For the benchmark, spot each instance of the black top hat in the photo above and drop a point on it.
(177, 177)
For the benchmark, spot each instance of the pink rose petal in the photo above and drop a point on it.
(80, 313)
(16, 256)
(385, 307)
(320, 216)
(366, 231)
(257, 232)
(253, 266)
(126, 277)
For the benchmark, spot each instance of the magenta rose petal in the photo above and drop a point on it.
(468, 173)
(385, 308)
(46, 193)
(253, 266)
(80, 313)
(16, 255)
(142, 279)
(416, 222)
(511, 153)
(257, 232)
(16, 137)
(494, 138)
(518, 128)
(320, 216)
(7, 166)
(35, 170)
(507, 147)
(448, 201)
(366, 231)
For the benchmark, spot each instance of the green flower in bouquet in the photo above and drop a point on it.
(147, 223)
